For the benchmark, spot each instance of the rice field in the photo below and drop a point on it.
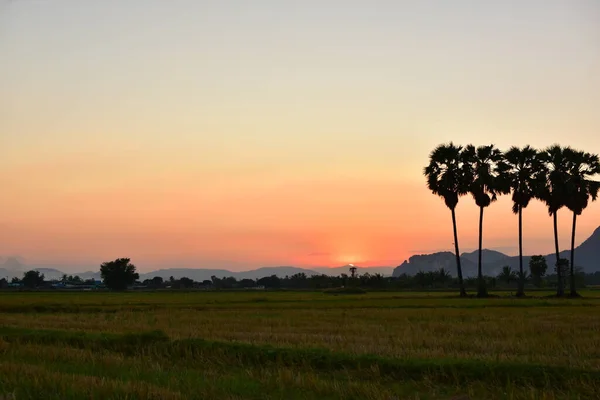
(297, 345)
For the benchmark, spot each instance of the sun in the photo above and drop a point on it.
(349, 260)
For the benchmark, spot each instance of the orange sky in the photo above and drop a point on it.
(211, 134)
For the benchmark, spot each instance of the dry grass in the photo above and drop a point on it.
(411, 327)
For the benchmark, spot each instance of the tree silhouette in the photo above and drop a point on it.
(353, 272)
(520, 171)
(538, 268)
(485, 186)
(580, 189)
(448, 178)
(32, 279)
(443, 276)
(507, 275)
(554, 194)
(118, 274)
(421, 279)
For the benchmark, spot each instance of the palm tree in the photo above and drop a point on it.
(353, 271)
(554, 194)
(448, 178)
(507, 275)
(483, 163)
(421, 278)
(443, 276)
(580, 188)
(520, 171)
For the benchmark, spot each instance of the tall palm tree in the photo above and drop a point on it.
(554, 194)
(581, 167)
(483, 164)
(520, 172)
(448, 178)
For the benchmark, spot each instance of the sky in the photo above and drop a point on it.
(232, 134)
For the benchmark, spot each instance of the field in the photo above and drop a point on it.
(297, 345)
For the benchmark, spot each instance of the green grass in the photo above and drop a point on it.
(297, 345)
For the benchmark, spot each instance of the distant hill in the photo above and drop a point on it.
(205, 274)
(587, 256)
(12, 263)
(50, 273)
(198, 274)
(268, 271)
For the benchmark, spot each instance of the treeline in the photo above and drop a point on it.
(560, 177)
(441, 279)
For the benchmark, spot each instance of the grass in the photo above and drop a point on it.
(297, 345)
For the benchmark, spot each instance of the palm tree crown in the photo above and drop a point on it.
(446, 174)
(580, 188)
(521, 171)
(483, 170)
(554, 190)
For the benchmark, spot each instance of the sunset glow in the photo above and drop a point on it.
(214, 134)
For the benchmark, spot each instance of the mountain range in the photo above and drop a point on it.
(587, 257)
(13, 267)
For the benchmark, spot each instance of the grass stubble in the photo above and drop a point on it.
(291, 345)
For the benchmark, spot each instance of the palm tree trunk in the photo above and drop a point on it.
(521, 290)
(461, 284)
(481, 291)
(573, 288)
(559, 290)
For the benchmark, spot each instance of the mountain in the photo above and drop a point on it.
(268, 271)
(12, 264)
(206, 274)
(201, 274)
(433, 262)
(587, 256)
(198, 275)
(50, 273)
(88, 275)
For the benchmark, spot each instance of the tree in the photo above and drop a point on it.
(562, 269)
(520, 172)
(443, 276)
(186, 282)
(580, 189)
(32, 279)
(353, 272)
(247, 283)
(507, 275)
(448, 178)
(421, 279)
(118, 274)
(483, 163)
(554, 194)
(538, 268)
(216, 282)
(273, 282)
(157, 281)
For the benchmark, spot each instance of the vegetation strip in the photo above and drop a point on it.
(43, 309)
(452, 371)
